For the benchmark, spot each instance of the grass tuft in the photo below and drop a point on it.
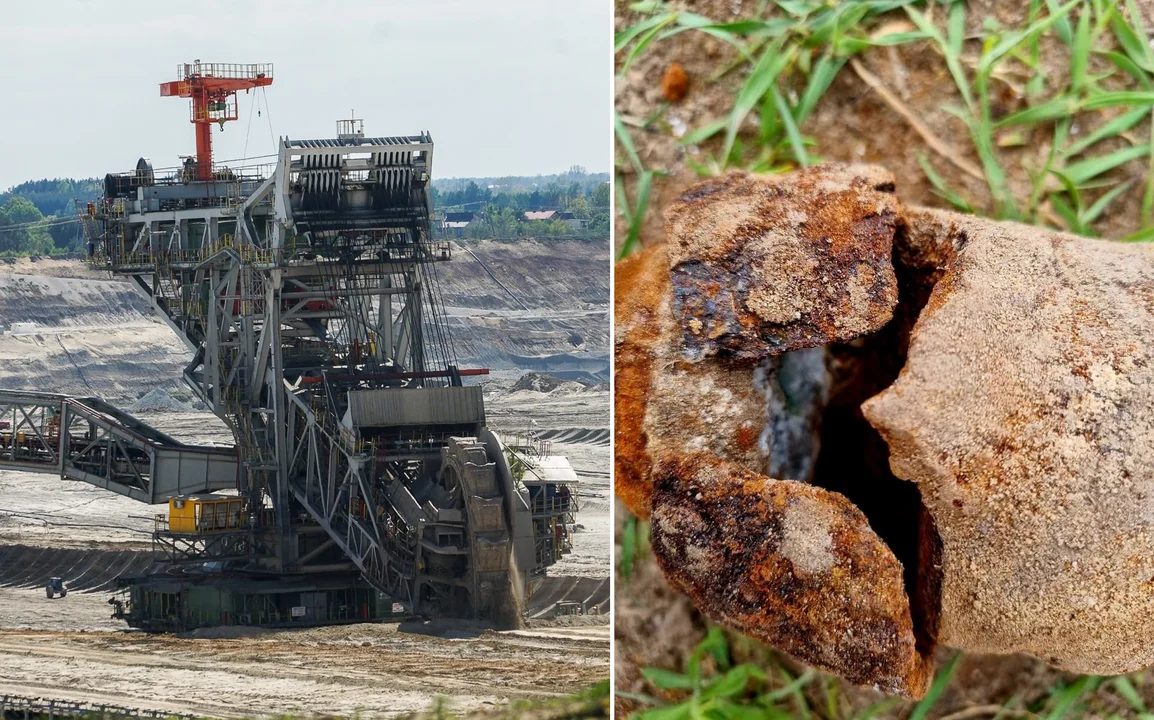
(793, 51)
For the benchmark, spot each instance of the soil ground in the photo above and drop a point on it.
(366, 670)
(850, 123)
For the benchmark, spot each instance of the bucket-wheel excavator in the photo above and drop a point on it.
(364, 481)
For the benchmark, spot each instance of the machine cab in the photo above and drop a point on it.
(207, 512)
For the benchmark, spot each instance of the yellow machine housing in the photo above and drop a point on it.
(210, 512)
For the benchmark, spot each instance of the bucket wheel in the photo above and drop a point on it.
(471, 485)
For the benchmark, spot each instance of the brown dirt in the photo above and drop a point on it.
(362, 670)
(655, 626)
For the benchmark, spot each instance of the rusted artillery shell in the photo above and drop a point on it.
(1025, 414)
(764, 264)
(790, 564)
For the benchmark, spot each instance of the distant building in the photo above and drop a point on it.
(454, 224)
(566, 217)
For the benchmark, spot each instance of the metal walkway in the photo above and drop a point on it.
(87, 439)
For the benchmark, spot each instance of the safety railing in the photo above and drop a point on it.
(554, 505)
(226, 71)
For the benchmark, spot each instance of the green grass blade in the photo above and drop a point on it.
(940, 186)
(763, 77)
(1068, 214)
(1126, 98)
(1012, 40)
(798, 9)
(1080, 52)
(735, 682)
(1114, 127)
(644, 185)
(702, 134)
(626, 141)
(1062, 26)
(848, 45)
(1053, 109)
(796, 143)
(672, 712)
(1127, 65)
(1132, 43)
(643, 42)
(953, 61)
(626, 36)
(1144, 235)
(939, 685)
(876, 709)
(1095, 210)
(1129, 693)
(956, 28)
(1067, 697)
(1147, 213)
(791, 689)
(1081, 172)
(628, 547)
(667, 679)
(820, 79)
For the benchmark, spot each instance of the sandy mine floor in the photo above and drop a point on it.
(72, 649)
(370, 670)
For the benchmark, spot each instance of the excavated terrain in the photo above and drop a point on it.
(544, 335)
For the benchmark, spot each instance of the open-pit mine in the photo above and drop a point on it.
(286, 452)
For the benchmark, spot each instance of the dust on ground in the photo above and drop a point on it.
(370, 670)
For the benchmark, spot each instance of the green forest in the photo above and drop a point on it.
(39, 217)
(499, 203)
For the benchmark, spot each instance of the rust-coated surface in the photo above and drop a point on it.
(764, 264)
(790, 564)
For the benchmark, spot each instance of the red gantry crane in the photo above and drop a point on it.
(213, 87)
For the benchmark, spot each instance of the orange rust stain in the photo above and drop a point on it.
(640, 285)
(747, 438)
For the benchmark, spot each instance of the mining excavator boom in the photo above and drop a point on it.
(308, 296)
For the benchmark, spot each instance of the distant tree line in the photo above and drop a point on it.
(39, 217)
(500, 204)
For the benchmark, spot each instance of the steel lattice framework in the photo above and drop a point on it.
(307, 292)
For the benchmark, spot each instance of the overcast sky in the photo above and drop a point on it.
(506, 87)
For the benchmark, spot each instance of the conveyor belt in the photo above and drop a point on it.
(87, 439)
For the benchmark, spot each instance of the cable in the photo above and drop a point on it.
(268, 114)
(248, 130)
(39, 223)
(73, 361)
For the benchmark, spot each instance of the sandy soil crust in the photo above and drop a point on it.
(366, 670)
